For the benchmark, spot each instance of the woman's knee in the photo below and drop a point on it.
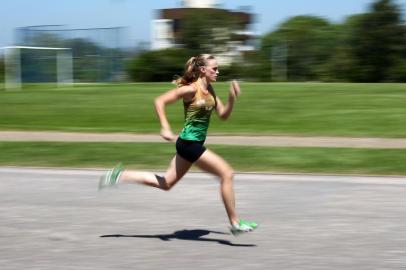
(166, 183)
(166, 187)
(227, 175)
(162, 183)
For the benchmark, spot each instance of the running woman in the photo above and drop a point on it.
(199, 100)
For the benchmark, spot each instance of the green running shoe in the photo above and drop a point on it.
(243, 226)
(111, 177)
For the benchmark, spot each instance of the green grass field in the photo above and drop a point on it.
(377, 110)
(302, 109)
(156, 156)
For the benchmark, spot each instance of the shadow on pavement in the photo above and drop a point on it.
(192, 235)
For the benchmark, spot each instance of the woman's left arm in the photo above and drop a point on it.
(224, 111)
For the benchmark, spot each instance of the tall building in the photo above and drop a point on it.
(166, 28)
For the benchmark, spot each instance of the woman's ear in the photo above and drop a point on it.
(203, 69)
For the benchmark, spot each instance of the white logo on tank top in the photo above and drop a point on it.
(201, 102)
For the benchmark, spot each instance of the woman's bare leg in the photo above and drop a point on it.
(176, 170)
(216, 165)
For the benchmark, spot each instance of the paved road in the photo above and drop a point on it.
(56, 219)
(280, 141)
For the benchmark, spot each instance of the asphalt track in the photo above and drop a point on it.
(56, 219)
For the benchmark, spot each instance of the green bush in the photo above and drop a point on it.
(230, 72)
(253, 66)
(163, 65)
(157, 66)
(1, 70)
(397, 73)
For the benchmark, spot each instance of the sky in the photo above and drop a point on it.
(136, 15)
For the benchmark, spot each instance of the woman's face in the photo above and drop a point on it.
(211, 70)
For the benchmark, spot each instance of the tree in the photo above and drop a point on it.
(397, 72)
(343, 65)
(93, 62)
(206, 30)
(46, 40)
(303, 44)
(377, 42)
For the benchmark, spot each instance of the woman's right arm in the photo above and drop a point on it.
(184, 92)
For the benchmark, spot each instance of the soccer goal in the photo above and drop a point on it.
(13, 65)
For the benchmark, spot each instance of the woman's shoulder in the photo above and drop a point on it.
(188, 91)
(188, 88)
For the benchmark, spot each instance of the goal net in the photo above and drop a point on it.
(25, 64)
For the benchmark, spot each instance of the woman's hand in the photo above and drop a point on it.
(234, 90)
(168, 135)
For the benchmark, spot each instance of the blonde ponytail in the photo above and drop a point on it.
(192, 69)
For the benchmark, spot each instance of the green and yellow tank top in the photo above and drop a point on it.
(197, 115)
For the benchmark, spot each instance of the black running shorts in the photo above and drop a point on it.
(190, 150)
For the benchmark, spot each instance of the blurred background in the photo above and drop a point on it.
(273, 41)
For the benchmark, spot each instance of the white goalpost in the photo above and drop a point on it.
(12, 65)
